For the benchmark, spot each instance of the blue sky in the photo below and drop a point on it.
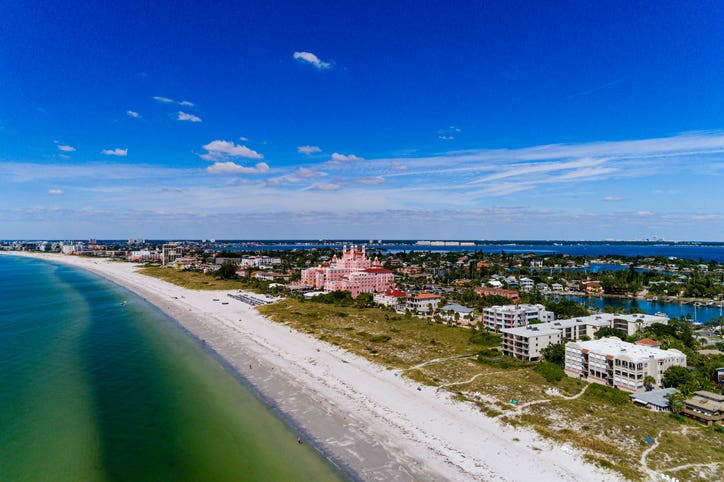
(446, 120)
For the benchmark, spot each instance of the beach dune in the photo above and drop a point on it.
(372, 423)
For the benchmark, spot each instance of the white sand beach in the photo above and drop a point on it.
(377, 425)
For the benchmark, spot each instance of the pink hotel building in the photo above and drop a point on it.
(353, 272)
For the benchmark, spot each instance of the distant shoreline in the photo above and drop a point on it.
(374, 425)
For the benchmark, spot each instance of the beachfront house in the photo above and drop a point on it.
(655, 400)
(704, 406)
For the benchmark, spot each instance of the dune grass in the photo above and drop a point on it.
(602, 423)
(196, 280)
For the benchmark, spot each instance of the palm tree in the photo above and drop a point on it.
(676, 400)
(649, 382)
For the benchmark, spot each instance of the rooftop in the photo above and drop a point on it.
(654, 397)
(541, 329)
(620, 349)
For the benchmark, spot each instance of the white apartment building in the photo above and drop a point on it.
(610, 361)
(510, 316)
(527, 344)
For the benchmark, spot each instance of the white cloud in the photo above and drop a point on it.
(66, 148)
(371, 180)
(220, 150)
(166, 100)
(613, 198)
(64, 156)
(397, 166)
(337, 157)
(332, 186)
(243, 139)
(183, 116)
(115, 152)
(448, 134)
(133, 113)
(55, 192)
(229, 167)
(310, 58)
(308, 149)
(306, 173)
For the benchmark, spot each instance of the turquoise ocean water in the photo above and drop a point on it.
(95, 389)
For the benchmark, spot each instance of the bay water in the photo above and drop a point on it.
(97, 385)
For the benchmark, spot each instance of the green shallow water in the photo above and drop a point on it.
(94, 390)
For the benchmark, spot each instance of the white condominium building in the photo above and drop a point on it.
(610, 361)
(510, 316)
(527, 342)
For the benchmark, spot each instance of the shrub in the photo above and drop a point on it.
(550, 371)
(609, 395)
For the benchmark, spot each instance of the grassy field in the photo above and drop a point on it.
(196, 280)
(602, 422)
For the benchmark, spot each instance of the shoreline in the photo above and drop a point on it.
(370, 423)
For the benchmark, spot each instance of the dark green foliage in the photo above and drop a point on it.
(608, 395)
(550, 371)
(380, 338)
(485, 338)
(607, 331)
(555, 354)
(227, 270)
(567, 309)
(677, 377)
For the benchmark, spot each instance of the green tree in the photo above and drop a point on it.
(649, 382)
(227, 270)
(677, 376)
(676, 400)
(555, 353)
(608, 331)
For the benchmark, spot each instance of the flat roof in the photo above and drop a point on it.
(618, 348)
(532, 330)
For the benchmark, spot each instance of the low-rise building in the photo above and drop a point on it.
(574, 329)
(527, 342)
(512, 295)
(457, 313)
(498, 317)
(707, 407)
(422, 302)
(526, 284)
(613, 362)
(655, 400)
(393, 298)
